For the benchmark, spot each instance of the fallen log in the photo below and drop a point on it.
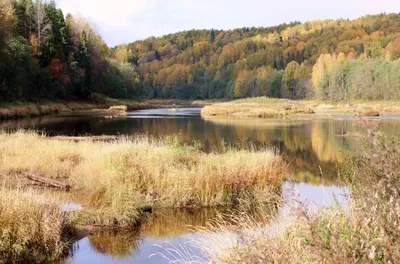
(94, 138)
(47, 182)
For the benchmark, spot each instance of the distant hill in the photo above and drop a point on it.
(273, 61)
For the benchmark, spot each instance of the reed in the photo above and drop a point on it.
(119, 177)
(33, 229)
(259, 107)
(367, 231)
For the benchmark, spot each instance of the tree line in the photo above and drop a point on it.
(281, 61)
(46, 54)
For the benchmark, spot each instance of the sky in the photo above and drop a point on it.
(125, 21)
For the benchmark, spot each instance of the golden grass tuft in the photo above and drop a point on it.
(33, 229)
(260, 107)
(367, 111)
(119, 108)
(121, 176)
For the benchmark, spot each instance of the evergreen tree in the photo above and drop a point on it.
(212, 36)
(360, 49)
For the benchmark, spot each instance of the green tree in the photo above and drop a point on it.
(290, 79)
(212, 36)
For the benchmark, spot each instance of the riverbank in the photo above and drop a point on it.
(263, 107)
(366, 231)
(115, 179)
(96, 105)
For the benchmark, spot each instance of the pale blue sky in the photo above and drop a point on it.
(124, 21)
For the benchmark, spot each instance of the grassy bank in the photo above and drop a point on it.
(121, 176)
(356, 107)
(366, 232)
(263, 107)
(30, 109)
(33, 229)
(260, 107)
(95, 105)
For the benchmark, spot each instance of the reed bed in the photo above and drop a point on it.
(17, 110)
(260, 107)
(33, 229)
(121, 176)
(368, 231)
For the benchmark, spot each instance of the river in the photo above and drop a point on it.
(313, 146)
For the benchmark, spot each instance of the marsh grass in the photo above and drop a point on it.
(260, 107)
(33, 229)
(366, 232)
(121, 176)
(29, 109)
(263, 107)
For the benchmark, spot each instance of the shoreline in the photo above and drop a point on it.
(272, 108)
(28, 109)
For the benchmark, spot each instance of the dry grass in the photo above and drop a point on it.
(367, 111)
(366, 232)
(261, 107)
(357, 107)
(33, 229)
(208, 102)
(96, 104)
(38, 109)
(119, 108)
(120, 176)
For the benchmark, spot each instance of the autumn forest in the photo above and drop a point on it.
(47, 54)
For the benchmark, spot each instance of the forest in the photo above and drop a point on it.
(45, 54)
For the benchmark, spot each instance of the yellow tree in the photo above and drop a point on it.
(290, 79)
(122, 53)
(6, 21)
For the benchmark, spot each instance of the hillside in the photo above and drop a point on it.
(45, 54)
(334, 59)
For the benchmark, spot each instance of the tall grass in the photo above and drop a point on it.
(26, 109)
(366, 232)
(261, 107)
(33, 229)
(121, 176)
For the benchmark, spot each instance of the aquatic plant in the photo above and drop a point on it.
(119, 177)
(368, 231)
(33, 228)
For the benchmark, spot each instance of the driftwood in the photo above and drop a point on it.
(47, 182)
(94, 138)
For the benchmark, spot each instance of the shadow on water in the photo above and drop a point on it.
(312, 147)
(163, 226)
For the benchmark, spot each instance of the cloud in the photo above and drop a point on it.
(111, 14)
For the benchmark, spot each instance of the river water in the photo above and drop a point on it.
(313, 146)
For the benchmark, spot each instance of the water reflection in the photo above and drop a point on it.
(307, 144)
(313, 147)
(124, 246)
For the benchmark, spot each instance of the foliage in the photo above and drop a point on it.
(228, 63)
(335, 57)
(44, 54)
